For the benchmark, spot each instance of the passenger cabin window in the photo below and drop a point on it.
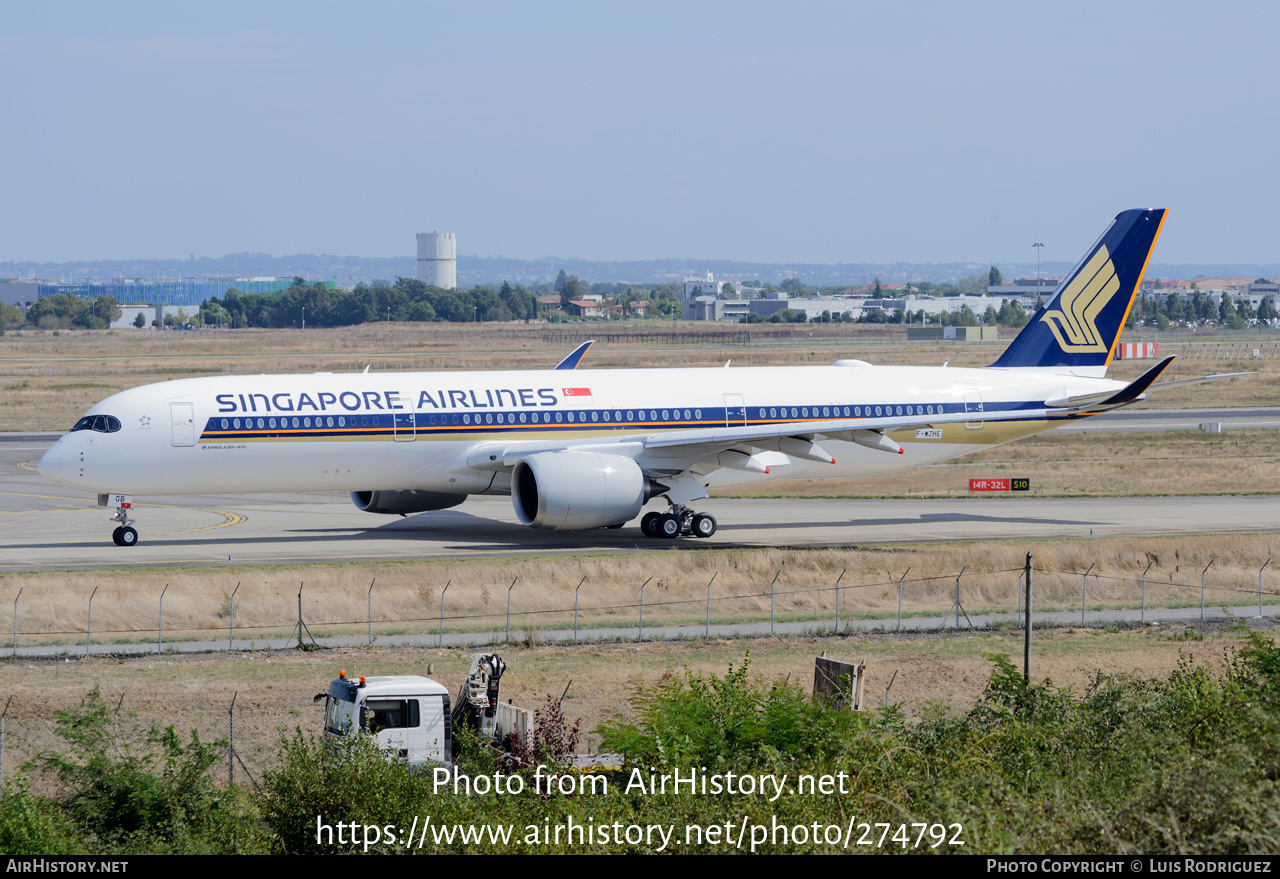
(100, 423)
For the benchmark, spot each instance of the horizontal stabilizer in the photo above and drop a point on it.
(1127, 394)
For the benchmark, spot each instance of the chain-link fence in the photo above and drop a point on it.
(37, 739)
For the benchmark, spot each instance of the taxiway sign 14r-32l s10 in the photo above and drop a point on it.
(587, 449)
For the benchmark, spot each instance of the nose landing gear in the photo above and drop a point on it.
(679, 521)
(125, 534)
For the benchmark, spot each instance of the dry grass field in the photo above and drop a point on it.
(1174, 463)
(48, 380)
(939, 672)
(53, 606)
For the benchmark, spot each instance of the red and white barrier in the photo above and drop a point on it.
(1137, 350)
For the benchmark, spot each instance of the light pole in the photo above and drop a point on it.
(1037, 246)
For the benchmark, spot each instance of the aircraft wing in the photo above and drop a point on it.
(711, 447)
(680, 449)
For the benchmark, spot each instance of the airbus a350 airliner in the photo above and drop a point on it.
(578, 450)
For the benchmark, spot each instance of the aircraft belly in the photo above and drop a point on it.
(251, 467)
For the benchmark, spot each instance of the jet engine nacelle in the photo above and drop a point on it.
(401, 503)
(570, 491)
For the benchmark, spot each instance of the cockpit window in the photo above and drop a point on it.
(100, 423)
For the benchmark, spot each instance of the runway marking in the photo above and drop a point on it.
(228, 519)
(48, 497)
(28, 465)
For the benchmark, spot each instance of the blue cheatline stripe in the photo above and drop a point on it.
(516, 422)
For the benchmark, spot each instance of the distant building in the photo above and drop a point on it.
(438, 259)
(695, 287)
(588, 308)
(1026, 287)
(19, 293)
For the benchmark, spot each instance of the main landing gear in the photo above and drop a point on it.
(679, 521)
(125, 534)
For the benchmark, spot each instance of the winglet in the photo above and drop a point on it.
(571, 362)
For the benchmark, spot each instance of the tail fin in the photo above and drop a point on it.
(1081, 324)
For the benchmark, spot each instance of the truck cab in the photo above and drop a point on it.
(408, 715)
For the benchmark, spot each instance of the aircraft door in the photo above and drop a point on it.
(405, 427)
(973, 408)
(735, 410)
(183, 419)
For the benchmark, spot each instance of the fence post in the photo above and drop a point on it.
(160, 623)
(900, 579)
(1018, 615)
(575, 607)
(2, 717)
(957, 606)
(115, 724)
(369, 607)
(88, 635)
(440, 641)
(640, 637)
(838, 579)
(507, 638)
(231, 616)
(707, 626)
(1142, 617)
(1026, 636)
(1202, 573)
(775, 580)
(1084, 582)
(231, 738)
(1260, 570)
(19, 595)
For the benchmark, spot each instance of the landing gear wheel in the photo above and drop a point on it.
(704, 525)
(115, 535)
(128, 536)
(649, 524)
(668, 526)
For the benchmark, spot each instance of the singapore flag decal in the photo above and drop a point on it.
(577, 392)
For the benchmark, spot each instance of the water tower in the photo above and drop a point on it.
(438, 259)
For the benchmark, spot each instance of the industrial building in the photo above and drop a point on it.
(438, 259)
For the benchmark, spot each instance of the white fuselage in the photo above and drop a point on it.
(425, 431)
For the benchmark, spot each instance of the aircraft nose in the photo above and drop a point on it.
(53, 463)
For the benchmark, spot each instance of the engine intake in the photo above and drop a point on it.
(571, 491)
(405, 501)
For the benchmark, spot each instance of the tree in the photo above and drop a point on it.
(10, 316)
(878, 292)
(994, 277)
(140, 320)
(570, 291)
(560, 280)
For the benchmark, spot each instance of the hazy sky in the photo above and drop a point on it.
(815, 132)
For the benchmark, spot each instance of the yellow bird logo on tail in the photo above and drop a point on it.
(1074, 323)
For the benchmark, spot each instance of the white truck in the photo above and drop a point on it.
(410, 716)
